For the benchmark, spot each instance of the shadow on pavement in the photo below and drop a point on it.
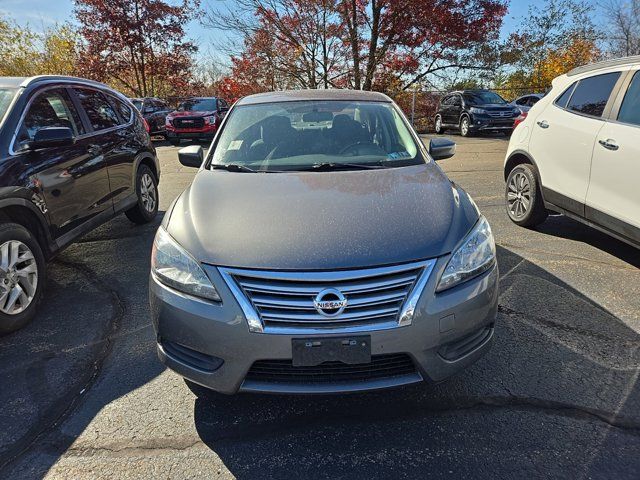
(49, 368)
(565, 227)
(556, 396)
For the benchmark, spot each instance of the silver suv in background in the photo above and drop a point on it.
(320, 249)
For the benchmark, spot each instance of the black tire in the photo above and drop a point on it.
(146, 208)
(437, 126)
(174, 141)
(10, 322)
(465, 126)
(524, 203)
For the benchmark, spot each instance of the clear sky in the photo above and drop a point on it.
(40, 13)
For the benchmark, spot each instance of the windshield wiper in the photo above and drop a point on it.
(344, 166)
(232, 167)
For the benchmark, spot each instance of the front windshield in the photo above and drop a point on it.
(483, 98)
(137, 104)
(198, 105)
(6, 96)
(302, 135)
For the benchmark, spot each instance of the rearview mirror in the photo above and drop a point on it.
(191, 156)
(441, 148)
(52, 137)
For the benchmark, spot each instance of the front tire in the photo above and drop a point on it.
(146, 207)
(465, 127)
(525, 206)
(22, 277)
(438, 124)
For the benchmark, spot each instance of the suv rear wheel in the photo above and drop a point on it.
(22, 276)
(146, 207)
(525, 206)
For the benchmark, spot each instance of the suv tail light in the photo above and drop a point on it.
(520, 119)
(146, 125)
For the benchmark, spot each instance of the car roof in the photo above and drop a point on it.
(614, 62)
(318, 95)
(29, 81)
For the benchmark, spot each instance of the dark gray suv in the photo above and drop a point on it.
(320, 249)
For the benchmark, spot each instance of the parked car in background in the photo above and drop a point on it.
(320, 249)
(475, 111)
(154, 111)
(525, 102)
(578, 152)
(73, 153)
(197, 118)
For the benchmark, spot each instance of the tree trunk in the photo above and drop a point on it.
(372, 59)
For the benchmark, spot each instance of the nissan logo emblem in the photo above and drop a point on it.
(330, 302)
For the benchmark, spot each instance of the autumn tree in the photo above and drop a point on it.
(26, 52)
(137, 45)
(363, 44)
(555, 36)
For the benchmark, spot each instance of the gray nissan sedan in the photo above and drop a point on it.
(320, 249)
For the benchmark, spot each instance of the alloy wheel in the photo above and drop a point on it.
(18, 277)
(148, 193)
(464, 127)
(519, 195)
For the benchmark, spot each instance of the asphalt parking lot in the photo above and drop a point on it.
(83, 395)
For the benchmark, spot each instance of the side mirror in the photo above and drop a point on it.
(441, 148)
(191, 156)
(52, 137)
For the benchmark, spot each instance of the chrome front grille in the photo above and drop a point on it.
(283, 302)
(500, 114)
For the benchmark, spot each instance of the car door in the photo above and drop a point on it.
(73, 179)
(455, 110)
(109, 136)
(613, 199)
(563, 138)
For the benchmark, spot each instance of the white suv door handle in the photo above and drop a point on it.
(609, 144)
(543, 124)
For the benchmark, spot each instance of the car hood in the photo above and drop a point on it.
(321, 220)
(176, 114)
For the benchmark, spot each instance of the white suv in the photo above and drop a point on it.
(578, 152)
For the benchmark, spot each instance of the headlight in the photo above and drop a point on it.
(476, 255)
(481, 111)
(211, 119)
(174, 267)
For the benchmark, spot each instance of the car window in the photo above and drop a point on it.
(223, 104)
(137, 104)
(6, 97)
(298, 135)
(198, 105)
(523, 101)
(532, 101)
(483, 98)
(100, 112)
(592, 94)
(123, 109)
(563, 99)
(51, 108)
(630, 109)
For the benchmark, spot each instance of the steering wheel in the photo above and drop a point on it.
(362, 148)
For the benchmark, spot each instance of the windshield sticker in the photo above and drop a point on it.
(396, 155)
(235, 145)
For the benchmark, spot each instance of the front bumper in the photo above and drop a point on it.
(487, 123)
(443, 324)
(191, 133)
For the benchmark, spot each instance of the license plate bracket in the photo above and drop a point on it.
(310, 352)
